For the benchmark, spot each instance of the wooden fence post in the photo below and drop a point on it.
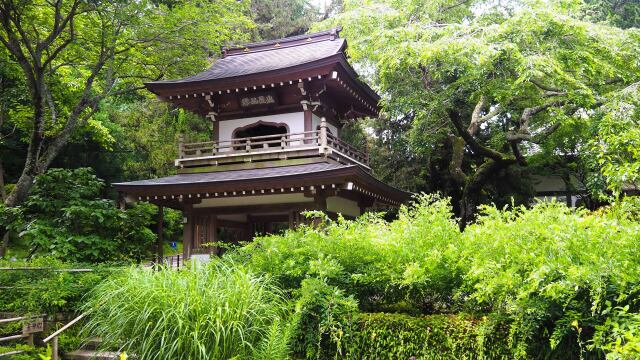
(54, 348)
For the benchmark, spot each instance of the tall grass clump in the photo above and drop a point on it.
(213, 311)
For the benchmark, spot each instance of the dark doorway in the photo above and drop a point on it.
(270, 135)
(260, 130)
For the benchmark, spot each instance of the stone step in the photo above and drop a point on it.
(91, 355)
(92, 344)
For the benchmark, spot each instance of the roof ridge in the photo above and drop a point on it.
(296, 40)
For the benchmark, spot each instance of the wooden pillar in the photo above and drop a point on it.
(181, 146)
(320, 200)
(160, 233)
(212, 233)
(54, 348)
(308, 120)
(249, 228)
(216, 131)
(187, 232)
(308, 123)
(291, 219)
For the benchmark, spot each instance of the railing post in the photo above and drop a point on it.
(282, 142)
(248, 146)
(54, 348)
(181, 146)
(323, 134)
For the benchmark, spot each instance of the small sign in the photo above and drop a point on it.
(173, 245)
(258, 99)
(33, 326)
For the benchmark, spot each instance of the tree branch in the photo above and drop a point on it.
(457, 156)
(472, 142)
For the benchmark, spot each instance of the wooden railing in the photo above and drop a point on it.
(31, 325)
(347, 150)
(249, 144)
(54, 337)
(277, 143)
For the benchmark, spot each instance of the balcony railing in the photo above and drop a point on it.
(301, 144)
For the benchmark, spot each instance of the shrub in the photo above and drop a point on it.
(411, 260)
(29, 352)
(559, 273)
(217, 311)
(43, 289)
(566, 281)
(322, 320)
(397, 336)
(65, 217)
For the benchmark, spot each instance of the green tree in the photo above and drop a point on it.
(622, 13)
(281, 18)
(616, 143)
(74, 54)
(496, 82)
(64, 217)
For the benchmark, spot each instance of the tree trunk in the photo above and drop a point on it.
(473, 188)
(4, 233)
(30, 170)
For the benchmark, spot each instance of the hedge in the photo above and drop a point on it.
(399, 336)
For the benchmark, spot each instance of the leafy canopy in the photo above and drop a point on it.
(507, 81)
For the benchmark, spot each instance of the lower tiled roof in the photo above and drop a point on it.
(237, 175)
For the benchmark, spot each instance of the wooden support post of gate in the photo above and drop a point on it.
(160, 231)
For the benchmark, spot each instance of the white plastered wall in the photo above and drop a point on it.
(343, 206)
(265, 199)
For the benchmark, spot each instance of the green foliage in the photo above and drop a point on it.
(379, 263)
(397, 336)
(68, 59)
(622, 13)
(537, 76)
(549, 266)
(560, 281)
(617, 140)
(322, 320)
(44, 290)
(212, 311)
(281, 18)
(146, 135)
(65, 217)
(71, 339)
(29, 353)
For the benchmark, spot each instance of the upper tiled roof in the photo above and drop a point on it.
(268, 56)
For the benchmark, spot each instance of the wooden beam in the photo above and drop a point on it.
(256, 209)
(271, 218)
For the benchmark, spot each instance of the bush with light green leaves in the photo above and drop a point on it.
(562, 280)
